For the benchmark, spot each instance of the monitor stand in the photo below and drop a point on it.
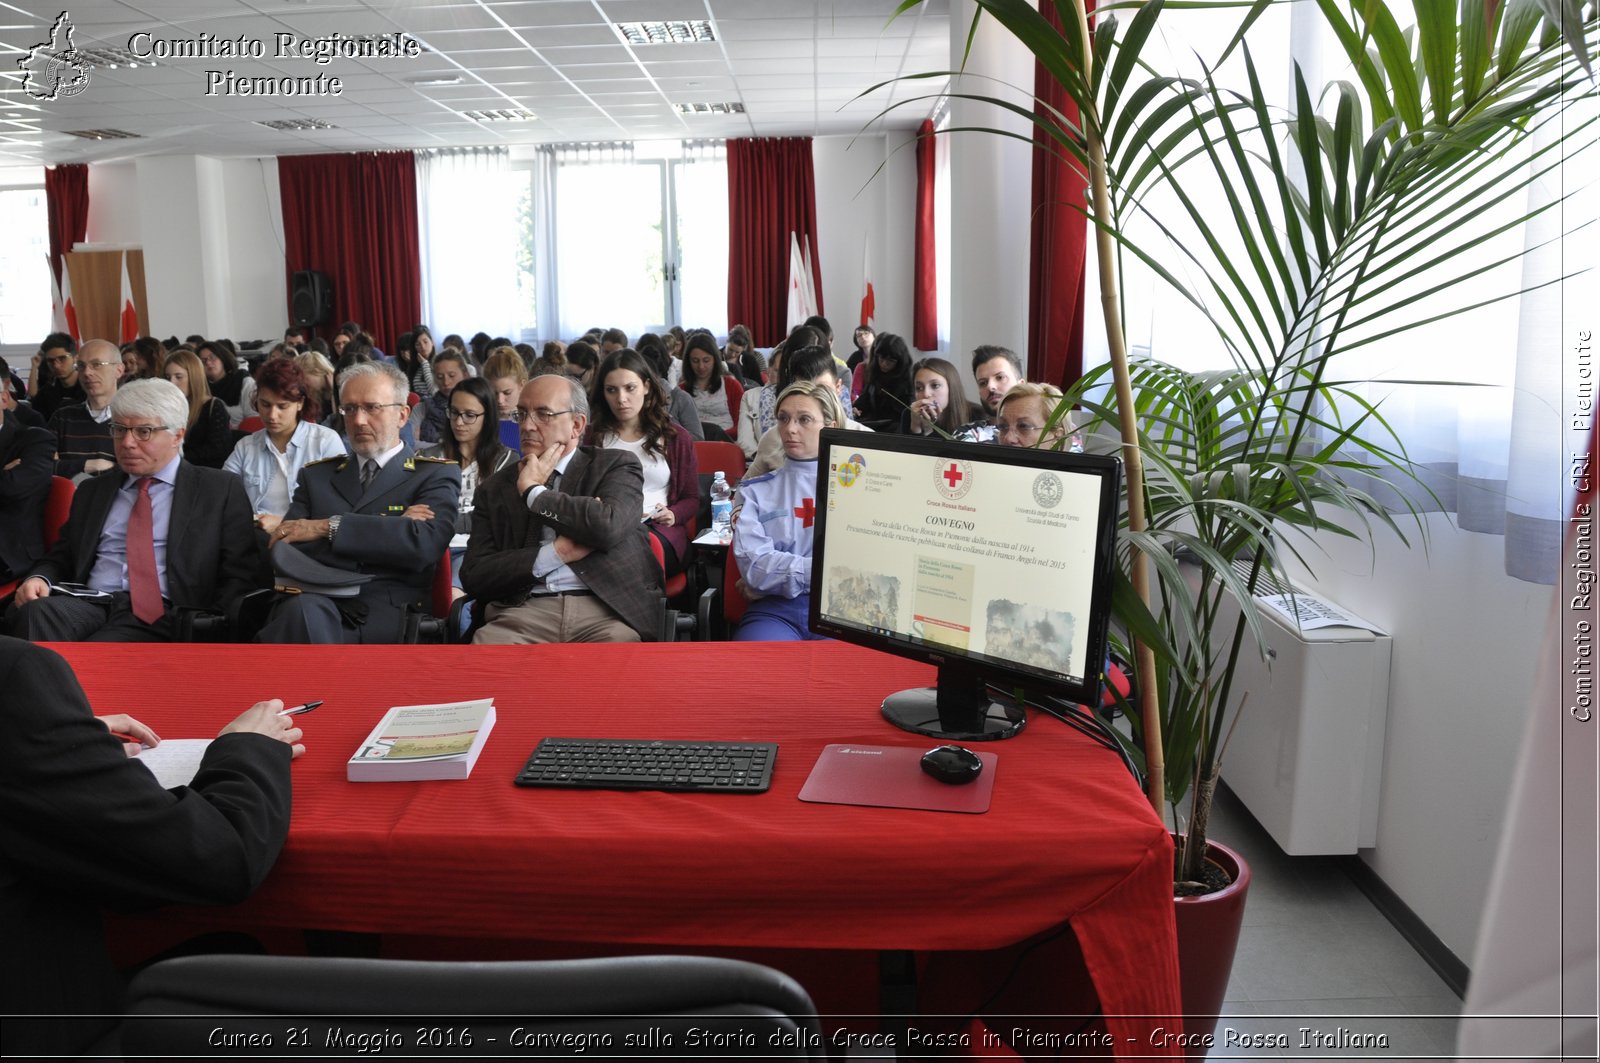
(959, 709)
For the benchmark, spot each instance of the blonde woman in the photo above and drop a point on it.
(208, 440)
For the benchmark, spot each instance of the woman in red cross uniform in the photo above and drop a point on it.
(772, 541)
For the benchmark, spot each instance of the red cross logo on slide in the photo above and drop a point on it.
(952, 476)
(806, 511)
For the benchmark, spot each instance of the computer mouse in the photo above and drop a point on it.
(952, 764)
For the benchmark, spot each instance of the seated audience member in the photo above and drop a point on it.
(208, 440)
(995, 369)
(528, 355)
(159, 535)
(887, 394)
(228, 380)
(506, 374)
(772, 539)
(556, 548)
(412, 352)
(83, 430)
(612, 340)
(317, 372)
(53, 381)
(269, 461)
(716, 394)
(13, 400)
(450, 367)
(582, 361)
(294, 339)
(454, 342)
(862, 338)
(806, 364)
(142, 359)
(85, 828)
(759, 409)
(939, 403)
(630, 414)
(1024, 416)
(473, 443)
(744, 361)
(383, 512)
(337, 345)
(27, 459)
(680, 407)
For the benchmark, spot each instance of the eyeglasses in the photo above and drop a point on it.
(1022, 428)
(371, 409)
(97, 366)
(804, 420)
(543, 416)
(142, 432)
(464, 416)
(58, 359)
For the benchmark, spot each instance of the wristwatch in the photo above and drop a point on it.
(333, 525)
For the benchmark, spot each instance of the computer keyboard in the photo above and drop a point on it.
(632, 764)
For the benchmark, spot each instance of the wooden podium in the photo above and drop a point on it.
(97, 291)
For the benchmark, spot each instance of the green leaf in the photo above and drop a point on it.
(1436, 31)
(1396, 58)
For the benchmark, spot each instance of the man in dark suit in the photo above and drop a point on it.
(83, 827)
(383, 512)
(27, 456)
(157, 536)
(557, 546)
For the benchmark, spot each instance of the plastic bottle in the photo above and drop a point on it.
(721, 507)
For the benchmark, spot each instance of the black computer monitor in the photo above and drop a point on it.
(992, 562)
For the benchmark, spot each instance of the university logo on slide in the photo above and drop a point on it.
(952, 477)
(1047, 490)
(53, 70)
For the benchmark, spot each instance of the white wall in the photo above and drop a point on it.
(254, 256)
(114, 213)
(1467, 639)
(859, 203)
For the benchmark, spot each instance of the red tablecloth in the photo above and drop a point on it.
(1068, 837)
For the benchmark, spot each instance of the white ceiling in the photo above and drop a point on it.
(796, 65)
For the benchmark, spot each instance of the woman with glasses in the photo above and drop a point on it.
(209, 440)
(630, 413)
(1023, 419)
(772, 540)
(269, 461)
(473, 442)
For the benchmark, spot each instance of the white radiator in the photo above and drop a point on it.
(1307, 755)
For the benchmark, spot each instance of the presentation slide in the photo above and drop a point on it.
(983, 558)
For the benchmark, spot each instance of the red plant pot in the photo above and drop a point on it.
(1208, 936)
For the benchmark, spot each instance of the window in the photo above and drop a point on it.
(639, 243)
(24, 273)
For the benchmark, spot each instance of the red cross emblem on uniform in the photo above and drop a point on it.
(953, 475)
(806, 511)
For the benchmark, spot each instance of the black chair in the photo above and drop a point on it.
(668, 1005)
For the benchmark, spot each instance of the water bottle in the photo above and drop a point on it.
(721, 507)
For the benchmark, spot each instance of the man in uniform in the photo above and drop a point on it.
(384, 513)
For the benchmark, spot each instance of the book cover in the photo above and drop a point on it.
(416, 742)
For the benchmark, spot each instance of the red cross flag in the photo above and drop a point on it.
(130, 316)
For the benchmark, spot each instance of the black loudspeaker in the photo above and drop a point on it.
(311, 298)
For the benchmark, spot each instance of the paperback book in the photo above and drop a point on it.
(417, 742)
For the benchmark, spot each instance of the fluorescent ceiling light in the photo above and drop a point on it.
(681, 31)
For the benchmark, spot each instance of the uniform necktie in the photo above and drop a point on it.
(369, 469)
(144, 585)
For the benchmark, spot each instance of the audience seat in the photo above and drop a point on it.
(436, 627)
(721, 608)
(57, 504)
(250, 425)
(176, 1001)
(672, 621)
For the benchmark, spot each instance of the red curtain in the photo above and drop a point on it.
(354, 217)
(1058, 240)
(771, 193)
(66, 195)
(924, 277)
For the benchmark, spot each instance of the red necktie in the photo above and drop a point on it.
(144, 585)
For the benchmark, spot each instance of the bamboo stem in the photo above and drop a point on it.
(1144, 656)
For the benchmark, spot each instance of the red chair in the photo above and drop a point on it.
(725, 602)
(250, 424)
(714, 457)
(57, 504)
(435, 626)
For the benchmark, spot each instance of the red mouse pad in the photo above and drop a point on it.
(892, 777)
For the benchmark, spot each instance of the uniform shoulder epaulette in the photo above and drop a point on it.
(431, 460)
(323, 461)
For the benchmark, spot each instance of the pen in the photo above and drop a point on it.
(298, 709)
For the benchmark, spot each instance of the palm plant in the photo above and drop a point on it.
(1364, 198)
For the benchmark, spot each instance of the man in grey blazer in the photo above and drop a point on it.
(383, 512)
(198, 546)
(557, 548)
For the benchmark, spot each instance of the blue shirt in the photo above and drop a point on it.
(270, 477)
(110, 572)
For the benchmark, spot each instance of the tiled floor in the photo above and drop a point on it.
(1315, 954)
